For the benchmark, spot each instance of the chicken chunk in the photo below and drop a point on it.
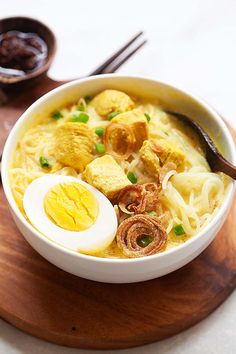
(105, 174)
(137, 122)
(74, 145)
(156, 153)
(111, 101)
(149, 158)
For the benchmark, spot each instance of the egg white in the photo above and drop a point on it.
(94, 239)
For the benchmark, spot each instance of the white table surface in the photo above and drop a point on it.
(191, 44)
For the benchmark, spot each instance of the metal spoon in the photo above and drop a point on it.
(216, 161)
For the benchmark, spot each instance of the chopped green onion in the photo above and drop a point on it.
(87, 99)
(112, 115)
(152, 213)
(179, 230)
(145, 240)
(147, 117)
(44, 162)
(57, 115)
(100, 148)
(131, 176)
(81, 117)
(99, 131)
(166, 133)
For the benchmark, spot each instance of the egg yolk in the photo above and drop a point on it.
(71, 206)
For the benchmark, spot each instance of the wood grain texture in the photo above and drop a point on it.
(49, 303)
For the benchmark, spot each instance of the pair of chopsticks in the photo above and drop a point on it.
(121, 55)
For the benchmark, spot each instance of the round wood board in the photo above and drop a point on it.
(42, 300)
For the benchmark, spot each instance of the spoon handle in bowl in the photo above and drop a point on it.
(219, 163)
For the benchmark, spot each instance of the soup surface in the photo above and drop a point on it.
(151, 167)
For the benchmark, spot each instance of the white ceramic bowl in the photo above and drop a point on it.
(121, 270)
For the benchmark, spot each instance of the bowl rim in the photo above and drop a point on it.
(42, 69)
(24, 117)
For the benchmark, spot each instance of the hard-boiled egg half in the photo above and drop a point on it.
(71, 213)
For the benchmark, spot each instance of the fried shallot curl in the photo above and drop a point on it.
(119, 140)
(141, 235)
(139, 198)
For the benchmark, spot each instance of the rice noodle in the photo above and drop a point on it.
(166, 178)
(190, 196)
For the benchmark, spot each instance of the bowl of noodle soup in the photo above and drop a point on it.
(192, 205)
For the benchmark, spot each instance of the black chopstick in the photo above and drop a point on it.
(122, 59)
(103, 67)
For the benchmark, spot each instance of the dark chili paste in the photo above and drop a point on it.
(21, 53)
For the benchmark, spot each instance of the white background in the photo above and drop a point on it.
(191, 44)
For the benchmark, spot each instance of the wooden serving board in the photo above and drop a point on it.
(42, 300)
